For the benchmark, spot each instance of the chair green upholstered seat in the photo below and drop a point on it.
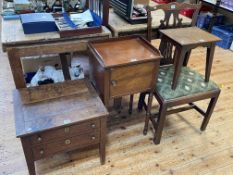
(190, 83)
(191, 87)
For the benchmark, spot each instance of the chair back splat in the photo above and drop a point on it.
(171, 13)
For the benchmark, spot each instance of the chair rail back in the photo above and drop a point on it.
(171, 9)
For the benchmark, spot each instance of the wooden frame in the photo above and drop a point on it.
(84, 127)
(62, 91)
(165, 104)
(171, 9)
(62, 48)
(101, 75)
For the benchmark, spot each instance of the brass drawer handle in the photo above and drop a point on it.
(67, 142)
(67, 130)
(41, 152)
(39, 139)
(114, 82)
(93, 125)
(93, 138)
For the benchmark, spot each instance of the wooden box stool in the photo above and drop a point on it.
(123, 66)
(60, 117)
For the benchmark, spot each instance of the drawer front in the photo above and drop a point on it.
(68, 131)
(131, 79)
(63, 145)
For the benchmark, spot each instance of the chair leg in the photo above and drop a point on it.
(160, 122)
(117, 104)
(131, 104)
(141, 101)
(148, 113)
(209, 112)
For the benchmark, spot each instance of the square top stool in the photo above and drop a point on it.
(186, 39)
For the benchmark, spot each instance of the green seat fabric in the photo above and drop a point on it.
(190, 82)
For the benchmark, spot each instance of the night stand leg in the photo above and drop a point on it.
(28, 155)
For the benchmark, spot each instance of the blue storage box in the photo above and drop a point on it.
(38, 23)
(224, 32)
(219, 19)
(203, 20)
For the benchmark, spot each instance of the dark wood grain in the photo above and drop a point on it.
(158, 123)
(66, 132)
(58, 118)
(123, 66)
(190, 36)
(65, 144)
(126, 50)
(49, 91)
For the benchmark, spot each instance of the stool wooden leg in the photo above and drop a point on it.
(141, 101)
(131, 104)
(209, 112)
(148, 113)
(209, 61)
(186, 59)
(161, 120)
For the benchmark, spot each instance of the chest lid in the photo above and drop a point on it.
(124, 51)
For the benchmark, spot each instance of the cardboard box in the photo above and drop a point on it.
(38, 23)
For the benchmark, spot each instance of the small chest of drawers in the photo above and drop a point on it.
(73, 117)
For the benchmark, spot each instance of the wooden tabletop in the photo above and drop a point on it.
(119, 25)
(12, 35)
(54, 105)
(190, 36)
(116, 52)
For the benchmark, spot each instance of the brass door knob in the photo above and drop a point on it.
(93, 125)
(67, 142)
(41, 151)
(93, 138)
(39, 139)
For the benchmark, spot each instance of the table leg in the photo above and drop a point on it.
(131, 104)
(148, 113)
(103, 122)
(209, 61)
(65, 66)
(117, 104)
(179, 60)
(28, 155)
